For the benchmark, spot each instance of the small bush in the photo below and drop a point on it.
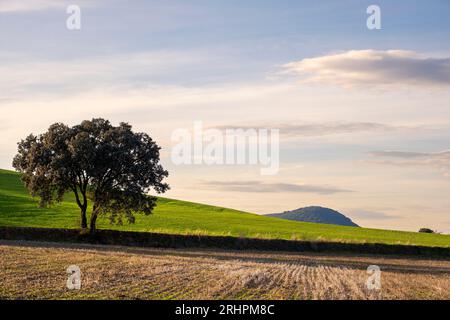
(426, 230)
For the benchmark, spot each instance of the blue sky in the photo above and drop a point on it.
(284, 29)
(342, 96)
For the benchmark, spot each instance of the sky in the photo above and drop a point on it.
(363, 115)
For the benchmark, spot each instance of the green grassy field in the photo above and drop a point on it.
(17, 208)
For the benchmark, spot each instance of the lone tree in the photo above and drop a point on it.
(113, 167)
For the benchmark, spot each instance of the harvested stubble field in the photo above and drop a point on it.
(38, 271)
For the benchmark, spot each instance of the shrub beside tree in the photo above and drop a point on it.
(426, 230)
(112, 166)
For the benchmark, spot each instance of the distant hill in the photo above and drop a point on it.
(317, 215)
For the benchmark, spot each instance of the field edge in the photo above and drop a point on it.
(164, 240)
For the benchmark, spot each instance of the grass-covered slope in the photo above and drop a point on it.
(17, 208)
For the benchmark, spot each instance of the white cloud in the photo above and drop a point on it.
(437, 160)
(26, 74)
(28, 5)
(258, 186)
(36, 5)
(370, 215)
(374, 68)
(319, 129)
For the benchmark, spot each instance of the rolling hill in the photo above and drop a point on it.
(316, 214)
(17, 208)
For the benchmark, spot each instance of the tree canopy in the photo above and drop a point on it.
(112, 166)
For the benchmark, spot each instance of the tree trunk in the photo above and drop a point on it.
(93, 221)
(83, 207)
(83, 219)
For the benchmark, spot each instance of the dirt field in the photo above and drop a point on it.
(38, 271)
